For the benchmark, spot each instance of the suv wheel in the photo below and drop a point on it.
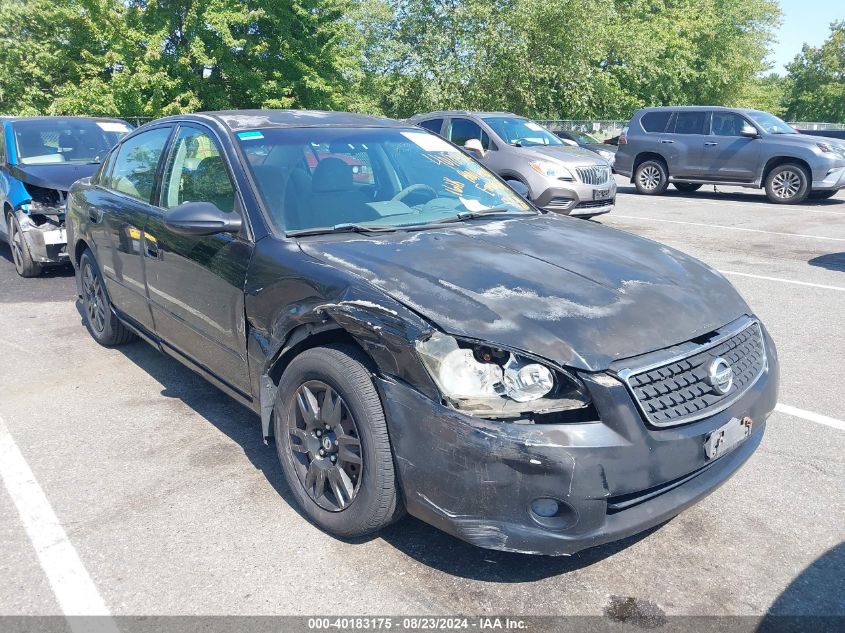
(100, 320)
(651, 177)
(22, 258)
(332, 442)
(788, 184)
(686, 187)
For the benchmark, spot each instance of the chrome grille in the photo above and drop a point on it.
(596, 175)
(678, 391)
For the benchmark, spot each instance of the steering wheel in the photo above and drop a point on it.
(413, 189)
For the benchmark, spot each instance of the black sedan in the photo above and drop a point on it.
(417, 337)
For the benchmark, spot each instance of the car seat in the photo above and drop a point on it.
(334, 198)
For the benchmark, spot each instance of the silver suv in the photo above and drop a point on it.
(559, 177)
(690, 146)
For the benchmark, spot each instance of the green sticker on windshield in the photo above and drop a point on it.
(252, 135)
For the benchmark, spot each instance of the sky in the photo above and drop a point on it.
(803, 21)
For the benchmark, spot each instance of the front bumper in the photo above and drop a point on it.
(476, 478)
(833, 180)
(47, 241)
(578, 199)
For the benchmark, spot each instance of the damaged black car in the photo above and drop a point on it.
(415, 336)
(40, 158)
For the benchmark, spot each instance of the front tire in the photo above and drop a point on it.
(25, 266)
(651, 178)
(686, 187)
(788, 184)
(99, 317)
(332, 442)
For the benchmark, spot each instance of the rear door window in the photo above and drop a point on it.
(433, 125)
(690, 122)
(135, 166)
(656, 121)
(462, 130)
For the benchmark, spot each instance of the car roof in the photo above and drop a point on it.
(13, 119)
(236, 120)
(698, 107)
(441, 113)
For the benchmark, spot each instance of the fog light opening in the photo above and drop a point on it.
(552, 514)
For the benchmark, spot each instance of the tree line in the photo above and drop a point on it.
(542, 58)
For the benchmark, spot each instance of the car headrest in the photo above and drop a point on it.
(332, 174)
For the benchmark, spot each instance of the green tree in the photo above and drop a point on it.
(817, 80)
(154, 57)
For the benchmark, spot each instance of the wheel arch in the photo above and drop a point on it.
(777, 161)
(370, 331)
(643, 157)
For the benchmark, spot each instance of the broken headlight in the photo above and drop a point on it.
(480, 379)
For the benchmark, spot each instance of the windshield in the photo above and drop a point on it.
(382, 177)
(584, 138)
(518, 131)
(45, 141)
(771, 124)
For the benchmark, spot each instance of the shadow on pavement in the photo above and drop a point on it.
(831, 261)
(813, 601)
(412, 537)
(749, 195)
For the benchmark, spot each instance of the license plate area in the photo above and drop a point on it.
(601, 194)
(726, 438)
(59, 236)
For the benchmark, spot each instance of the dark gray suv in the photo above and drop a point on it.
(690, 146)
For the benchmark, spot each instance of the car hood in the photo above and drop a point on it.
(574, 292)
(566, 153)
(59, 176)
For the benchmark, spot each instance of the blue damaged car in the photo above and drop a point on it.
(40, 158)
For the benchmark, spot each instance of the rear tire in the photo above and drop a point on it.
(25, 266)
(99, 317)
(651, 178)
(352, 491)
(686, 187)
(822, 195)
(788, 184)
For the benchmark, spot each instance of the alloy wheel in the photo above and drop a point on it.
(325, 446)
(95, 299)
(650, 177)
(16, 242)
(786, 184)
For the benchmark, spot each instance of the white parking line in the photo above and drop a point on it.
(73, 587)
(812, 417)
(730, 228)
(786, 281)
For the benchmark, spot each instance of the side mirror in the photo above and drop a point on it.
(201, 218)
(569, 141)
(474, 147)
(749, 131)
(520, 187)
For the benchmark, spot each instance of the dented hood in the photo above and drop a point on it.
(58, 176)
(571, 291)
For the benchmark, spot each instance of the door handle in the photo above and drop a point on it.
(94, 215)
(710, 144)
(666, 142)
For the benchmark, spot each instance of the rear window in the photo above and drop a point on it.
(655, 121)
(690, 122)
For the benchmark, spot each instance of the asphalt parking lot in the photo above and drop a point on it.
(173, 504)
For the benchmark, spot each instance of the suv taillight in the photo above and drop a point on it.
(623, 137)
